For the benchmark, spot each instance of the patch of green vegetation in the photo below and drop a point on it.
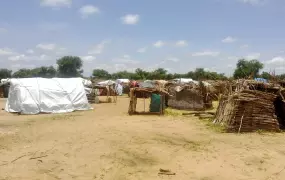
(214, 127)
(172, 112)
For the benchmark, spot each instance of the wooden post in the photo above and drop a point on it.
(131, 106)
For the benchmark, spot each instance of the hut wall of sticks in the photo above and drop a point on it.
(253, 106)
(108, 91)
(155, 107)
(189, 97)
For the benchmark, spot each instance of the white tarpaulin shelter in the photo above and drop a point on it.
(118, 81)
(106, 83)
(55, 95)
(183, 80)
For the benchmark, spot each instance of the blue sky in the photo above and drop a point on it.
(126, 34)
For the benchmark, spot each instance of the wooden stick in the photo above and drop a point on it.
(18, 158)
(38, 157)
(241, 122)
(197, 113)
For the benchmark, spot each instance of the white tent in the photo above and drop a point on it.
(56, 95)
(118, 81)
(106, 83)
(183, 80)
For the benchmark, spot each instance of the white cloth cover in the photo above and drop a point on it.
(106, 83)
(56, 95)
(88, 90)
(119, 89)
(118, 81)
(86, 82)
(183, 80)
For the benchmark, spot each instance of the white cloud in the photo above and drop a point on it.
(61, 51)
(244, 46)
(23, 57)
(88, 58)
(6, 51)
(18, 66)
(126, 56)
(158, 44)
(130, 19)
(233, 58)
(49, 47)
(30, 51)
(125, 59)
(276, 61)
(56, 3)
(206, 53)
(253, 56)
(252, 2)
(181, 43)
(142, 50)
(229, 39)
(3, 30)
(98, 49)
(88, 10)
(120, 67)
(173, 59)
(230, 66)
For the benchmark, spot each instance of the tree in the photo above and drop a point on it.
(23, 73)
(125, 75)
(265, 75)
(70, 66)
(159, 73)
(141, 73)
(246, 69)
(45, 72)
(101, 73)
(5, 73)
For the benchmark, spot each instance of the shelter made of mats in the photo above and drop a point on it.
(189, 97)
(157, 103)
(250, 110)
(42, 95)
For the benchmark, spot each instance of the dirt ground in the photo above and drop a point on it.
(106, 143)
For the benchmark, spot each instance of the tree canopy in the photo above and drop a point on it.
(70, 66)
(5, 73)
(45, 72)
(245, 68)
(101, 73)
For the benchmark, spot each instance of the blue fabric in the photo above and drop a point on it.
(261, 80)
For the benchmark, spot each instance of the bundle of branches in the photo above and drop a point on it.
(93, 96)
(247, 111)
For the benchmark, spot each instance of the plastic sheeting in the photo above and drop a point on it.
(183, 80)
(106, 83)
(86, 82)
(118, 81)
(119, 89)
(56, 95)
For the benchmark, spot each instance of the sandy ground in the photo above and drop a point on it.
(106, 143)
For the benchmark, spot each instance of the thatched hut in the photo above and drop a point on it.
(189, 97)
(247, 111)
(253, 106)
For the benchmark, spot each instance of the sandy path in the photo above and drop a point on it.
(106, 143)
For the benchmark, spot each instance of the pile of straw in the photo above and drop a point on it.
(247, 111)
